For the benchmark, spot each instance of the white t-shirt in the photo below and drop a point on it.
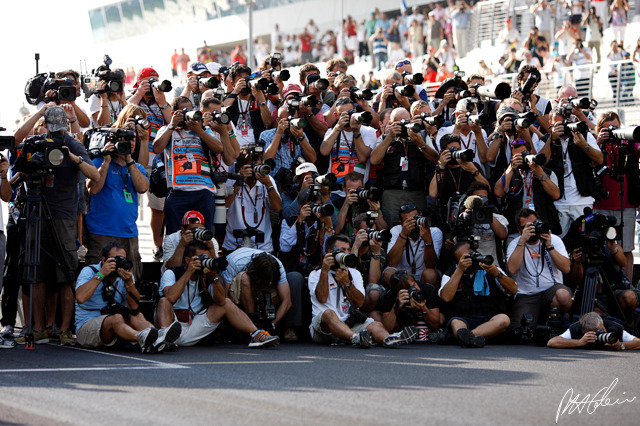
(94, 106)
(571, 195)
(467, 141)
(579, 58)
(415, 249)
(626, 337)
(487, 244)
(248, 137)
(534, 263)
(170, 244)
(335, 301)
(250, 208)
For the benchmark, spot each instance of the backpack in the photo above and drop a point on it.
(158, 177)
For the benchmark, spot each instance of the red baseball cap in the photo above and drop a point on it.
(290, 88)
(192, 216)
(145, 72)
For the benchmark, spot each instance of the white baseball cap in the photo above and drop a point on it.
(305, 168)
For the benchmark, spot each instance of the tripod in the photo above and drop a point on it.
(589, 288)
(31, 218)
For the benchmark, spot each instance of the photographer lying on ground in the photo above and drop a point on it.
(595, 332)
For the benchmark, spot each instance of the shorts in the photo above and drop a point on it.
(154, 202)
(199, 328)
(635, 291)
(471, 322)
(82, 190)
(235, 289)
(375, 287)
(534, 304)
(323, 338)
(89, 334)
(629, 231)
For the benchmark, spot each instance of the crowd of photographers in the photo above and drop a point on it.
(300, 206)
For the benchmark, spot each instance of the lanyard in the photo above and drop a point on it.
(411, 255)
(458, 181)
(255, 208)
(528, 190)
(124, 180)
(351, 147)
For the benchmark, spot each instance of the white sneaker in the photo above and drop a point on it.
(7, 331)
(7, 343)
(167, 336)
(146, 338)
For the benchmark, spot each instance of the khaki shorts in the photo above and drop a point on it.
(323, 338)
(235, 289)
(199, 328)
(89, 334)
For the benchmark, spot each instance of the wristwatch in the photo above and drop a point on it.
(263, 104)
(98, 276)
(376, 256)
(80, 162)
(165, 106)
(171, 127)
(422, 148)
(544, 177)
(551, 248)
(500, 275)
(622, 347)
(428, 245)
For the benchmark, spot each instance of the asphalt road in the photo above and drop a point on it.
(309, 384)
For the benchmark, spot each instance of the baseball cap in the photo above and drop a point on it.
(213, 68)
(463, 105)
(290, 88)
(197, 68)
(56, 119)
(305, 168)
(506, 110)
(192, 216)
(145, 72)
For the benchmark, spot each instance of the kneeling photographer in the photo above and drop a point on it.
(194, 298)
(474, 297)
(192, 229)
(107, 308)
(271, 297)
(114, 196)
(593, 331)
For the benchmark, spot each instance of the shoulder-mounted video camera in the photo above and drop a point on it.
(38, 155)
(96, 139)
(37, 87)
(114, 79)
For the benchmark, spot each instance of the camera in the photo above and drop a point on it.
(631, 133)
(372, 194)
(344, 260)
(424, 221)
(382, 236)
(190, 115)
(462, 92)
(298, 123)
(314, 80)
(356, 316)
(213, 264)
(406, 90)
(524, 120)
(263, 169)
(416, 294)
(594, 231)
(481, 213)
(309, 100)
(553, 327)
(202, 234)
(314, 193)
(500, 91)
(255, 80)
(363, 117)
(283, 75)
(328, 179)
(462, 155)
(527, 88)
(37, 155)
(600, 191)
(6, 141)
(269, 309)
(570, 127)
(96, 139)
(364, 94)
(435, 121)
(108, 295)
(407, 125)
(247, 234)
(479, 119)
(416, 78)
(218, 93)
(321, 209)
(478, 258)
(64, 89)
(114, 79)
(581, 103)
(529, 159)
(540, 227)
(142, 122)
(603, 337)
(122, 262)
(220, 117)
(523, 333)
(164, 86)
(209, 82)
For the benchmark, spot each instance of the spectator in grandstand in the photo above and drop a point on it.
(543, 12)
(183, 62)
(238, 55)
(508, 37)
(416, 39)
(447, 55)
(460, 19)
(594, 32)
(435, 33)
(379, 44)
(306, 46)
(619, 9)
(581, 55)
(529, 60)
(511, 63)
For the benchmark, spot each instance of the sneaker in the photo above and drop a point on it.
(53, 332)
(157, 254)
(146, 338)
(167, 336)
(82, 253)
(436, 336)
(466, 338)
(38, 337)
(262, 339)
(407, 335)
(362, 340)
(66, 338)
(7, 331)
(7, 343)
(290, 336)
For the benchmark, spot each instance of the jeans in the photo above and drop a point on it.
(180, 202)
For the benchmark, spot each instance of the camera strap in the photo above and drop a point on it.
(411, 255)
(532, 256)
(255, 207)
(548, 260)
(125, 180)
(458, 181)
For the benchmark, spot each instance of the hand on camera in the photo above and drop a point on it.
(159, 96)
(445, 157)
(588, 337)
(557, 130)
(465, 262)
(516, 161)
(108, 267)
(102, 87)
(375, 246)
(342, 121)
(361, 237)
(4, 167)
(127, 276)
(306, 183)
(328, 262)
(305, 212)
(177, 118)
(263, 179)
(342, 277)
(194, 126)
(579, 140)
(576, 256)
(491, 269)
(186, 238)
(194, 266)
(461, 121)
(352, 198)
(240, 84)
(403, 297)
(528, 231)
(603, 136)
(407, 227)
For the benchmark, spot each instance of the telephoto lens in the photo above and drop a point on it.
(298, 123)
(262, 169)
(202, 234)
(283, 75)
(321, 209)
(416, 78)
(209, 82)
(142, 122)
(464, 155)
(539, 159)
(435, 121)
(416, 294)
(480, 119)
(220, 117)
(603, 337)
(326, 180)
(192, 115)
(344, 260)
(404, 90)
(382, 236)
(421, 221)
(164, 86)
(481, 258)
(363, 117)
(213, 264)
(373, 194)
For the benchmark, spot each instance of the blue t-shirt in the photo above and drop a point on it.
(286, 153)
(91, 308)
(189, 297)
(110, 213)
(239, 261)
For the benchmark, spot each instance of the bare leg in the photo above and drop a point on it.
(115, 326)
(236, 317)
(378, 332)
(629, 268)
(457, 325)
(562, 300)
(139, 322)
(157, 218)
(68, 304)
(496, 325)
(39, 295)
(371, 301)
(246, 295)
(331, 324)
(164, 313)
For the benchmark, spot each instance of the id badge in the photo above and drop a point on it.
(404, 164)
(345, 307)
(244, 130)
(48, 181)
(127, 196)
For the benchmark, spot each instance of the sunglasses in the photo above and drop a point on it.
(401, 63)
(343, 101)
(408, 208)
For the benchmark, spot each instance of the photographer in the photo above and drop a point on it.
(404, 156)
(352, 205)
(224, 132)
(175, 244)
(249, 112)
(567, 93)
(114, 201)
(9, 296)
(107, 306)
(586, 333)
(61, 195)
(336, 295)
(408, 302)
(372, 258)
(414, 247)
(194, 297)
(251, 202)
(530, 185)
(257, 282)
(621, 158)
(345, 85)
(77, 113)
(105, 106)
(581, 55)
(448, 95)
(158, 110)
(473, 296)
(186, 145)
(389, 97)
(491, 234)
(194, 88)
(537, 261)
(570, 152)
(539, 105)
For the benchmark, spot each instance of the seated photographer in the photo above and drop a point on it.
(192, 229)
(302, 243)
(60, 190)
(572, 151)
(105, 105)
(372, 258)
(525, 183)
(114, 200)
(595, 332)
(408, 302)
(474, 297)
(415, 246)
(491, 234)
(337, 294)
(249, 112)
(537, 261)
(186, 145)
(257, 282)
(107, 306)
(193, 296)
(251, 202)
(621, 158)
(404, 156)
(356, 201)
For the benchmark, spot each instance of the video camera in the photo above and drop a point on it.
(6, 141)
(96, 139)
(64, 88)
(38, 154)
(114, 79)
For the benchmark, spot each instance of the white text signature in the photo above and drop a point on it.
(589, 403)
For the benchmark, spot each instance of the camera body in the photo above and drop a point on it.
(96, 139)
(540, 227)
(37, 155)
(64, 89)
(363, 117)
(463, 155)
(603, 337)
(247, 234)
(477, 259)
(356, 94)
(527, 88)
(416, 78)
(114, 79)
(372, 194)
(435, 121)
(406, 125)
(403, 90)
